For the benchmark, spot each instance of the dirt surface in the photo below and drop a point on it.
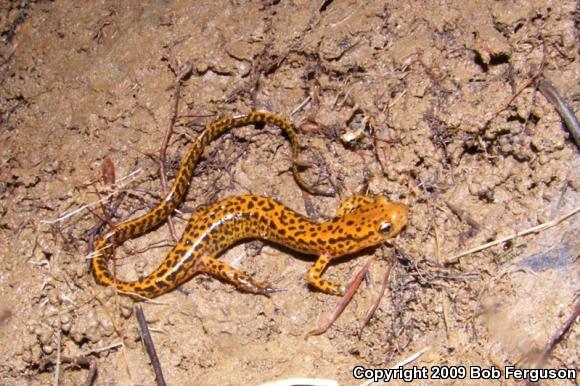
(408, 99)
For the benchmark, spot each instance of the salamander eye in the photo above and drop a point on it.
(385, 227)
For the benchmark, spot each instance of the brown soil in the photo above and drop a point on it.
(422, 92)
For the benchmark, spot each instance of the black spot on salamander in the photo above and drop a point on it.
(261, 202)
(358, 229)
(269, 208)
(254, 198)
(332, 240)
(171, 276)
(350, 223)
(361, 239)
(250, 205)
(162, 273)
(282, 231)
(161, 284)
(272, 224)
(347, 237)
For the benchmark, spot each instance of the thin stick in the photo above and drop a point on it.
(525, 85)
(373, 309)
(535, 229)
(66, 215)
(302, 381)
(165, 143)
(101, 349)
(463, 215)
(411, 358)
(442, 299)
(566, 113)
(80, 361)
(301, 105)
(404, 362)
(149, 346)
(58, 359)
(343, 302)
(109, 213)
(556, 338)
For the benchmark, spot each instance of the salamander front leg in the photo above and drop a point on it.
(232, 275)
(314, 278)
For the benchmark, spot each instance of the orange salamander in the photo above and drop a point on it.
(361, 222)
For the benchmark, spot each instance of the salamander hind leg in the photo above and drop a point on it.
(232, 275)
(352, 203)
(314, 278)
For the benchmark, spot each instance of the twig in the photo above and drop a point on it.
(102, 221)
(411, 358)
(343, 302)
(163, 151)
(149, 346)
(526, 84)
(101, 349)
(562, 194)
(404, 362)
(562, 108)
(556, 338)
(66, 215)
(442, 299)
(535, 229)
(373, 309)
(80, 361)
(302, 381)
(301, 105)
(464, 216)
(58, 359)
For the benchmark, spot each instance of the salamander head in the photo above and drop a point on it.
(390, 217)
(375, 222)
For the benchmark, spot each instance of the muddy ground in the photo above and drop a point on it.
(408, 99)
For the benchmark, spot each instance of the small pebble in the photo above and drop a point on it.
(44, 335)
(66, 322)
